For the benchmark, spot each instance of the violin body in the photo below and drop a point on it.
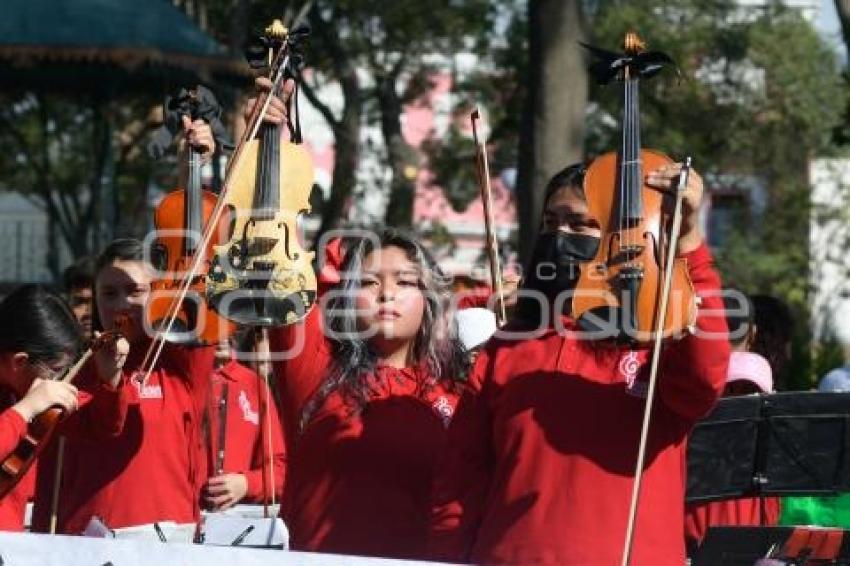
(627, 262)
(194, 322)
(43, 427)
(262, 276)
(39, 433)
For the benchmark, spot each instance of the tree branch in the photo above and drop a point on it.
(324, 109)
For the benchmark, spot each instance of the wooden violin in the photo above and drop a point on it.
(618, 292)
(42, 428)
(262, 276)
(179, 221)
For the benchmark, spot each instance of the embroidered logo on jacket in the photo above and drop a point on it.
(147, 391)
(630, 365)
(248, 413)
(444, 409)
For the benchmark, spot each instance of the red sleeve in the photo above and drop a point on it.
(195, 364)
(694, 368)
(329, 274)
(104, 414)
(301, 350)
(13, 427)
(255, 474)
(474, 298)
(462, 476)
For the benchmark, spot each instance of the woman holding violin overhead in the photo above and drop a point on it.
(150, 468)
(38, 343)
(368, 382)
(542, 451)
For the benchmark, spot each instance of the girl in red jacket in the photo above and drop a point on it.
(148, 468)
(542, 448)
(237, 468)
(39, 340)
(374, 398)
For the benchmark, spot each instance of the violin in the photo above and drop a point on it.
(634, 290)
(179, 221)
(619, 291)
(42, 428)
(262, 276)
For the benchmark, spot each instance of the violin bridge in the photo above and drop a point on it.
(631, 251)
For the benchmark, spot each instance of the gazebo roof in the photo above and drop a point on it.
(134, 39)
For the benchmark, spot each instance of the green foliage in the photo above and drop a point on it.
(452, 159)
(760, 95)
(496, 85)
(60, 150)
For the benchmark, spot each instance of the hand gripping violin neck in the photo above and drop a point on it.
(262, 276)
(618, 292)
(179, 221)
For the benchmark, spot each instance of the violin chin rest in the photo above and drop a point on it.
(262, 307)
(178, 333)
(602, 323)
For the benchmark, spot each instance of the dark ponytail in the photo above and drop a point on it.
(35, 321)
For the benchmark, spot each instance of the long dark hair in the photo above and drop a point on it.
(436, 347)
(122, 249)
(774, 332)
(35, 321)
(528, 309)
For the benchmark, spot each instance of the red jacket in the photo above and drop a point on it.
(243, 450)
(13, 428)
(149, 467)
(358, 483)
(541, 451)
(742, 512)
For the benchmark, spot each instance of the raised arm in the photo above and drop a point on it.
(693, 370)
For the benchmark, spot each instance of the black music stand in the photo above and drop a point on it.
(779, 444)
(744, 546)
(767, 445)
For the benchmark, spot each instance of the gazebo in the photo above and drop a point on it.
(93, 53)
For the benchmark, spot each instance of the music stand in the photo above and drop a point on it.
(745, 546)
(767, 445)
(778, 444)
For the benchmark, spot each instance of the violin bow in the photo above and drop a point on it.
(482, 170)
(57, 483)
(60, 448)
(263, 359)
(675, 230)
(222, 428)
(279, 65)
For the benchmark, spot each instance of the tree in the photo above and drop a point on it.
(758, 99)
(552, 129)
(380, 54)
(61, 151)
(842, 8)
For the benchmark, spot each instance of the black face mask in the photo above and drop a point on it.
(555, 262)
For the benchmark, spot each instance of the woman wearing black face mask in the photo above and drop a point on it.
(541, 451)
(568, 236)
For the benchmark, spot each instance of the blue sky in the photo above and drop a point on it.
(827, 24)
